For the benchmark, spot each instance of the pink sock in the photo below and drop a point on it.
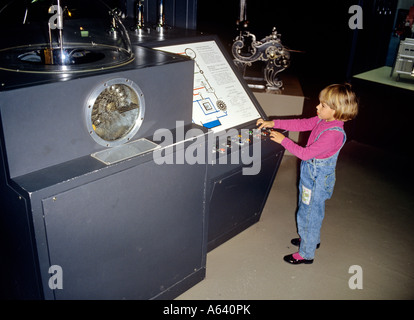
(297, 256)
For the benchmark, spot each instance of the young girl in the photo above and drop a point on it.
(338, 103)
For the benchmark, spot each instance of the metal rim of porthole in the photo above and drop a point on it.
(114, 112)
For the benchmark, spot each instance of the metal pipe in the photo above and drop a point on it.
(243, 12)
(60, 27)
(161, 13)
(140, 14)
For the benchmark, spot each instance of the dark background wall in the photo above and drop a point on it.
(318, 28)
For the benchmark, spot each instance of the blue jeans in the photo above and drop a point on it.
(317, 181)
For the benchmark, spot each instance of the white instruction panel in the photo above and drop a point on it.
(220, 101)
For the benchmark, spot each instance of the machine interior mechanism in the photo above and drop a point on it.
(115, 111)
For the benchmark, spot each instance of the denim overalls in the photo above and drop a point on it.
(317, 180)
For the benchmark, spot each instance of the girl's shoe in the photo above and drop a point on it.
(296, 242)
(295, 258)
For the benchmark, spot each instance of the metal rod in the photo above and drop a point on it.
(243, 12)
(140, 14)
(25, 16)
(60, 27)
(161, 16)
(50, 36)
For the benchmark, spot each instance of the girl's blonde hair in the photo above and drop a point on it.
(342, 99)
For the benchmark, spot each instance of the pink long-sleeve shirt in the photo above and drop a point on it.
(327, 145)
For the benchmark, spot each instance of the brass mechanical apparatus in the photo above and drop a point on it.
(161, 26)
(140, 15)
(141, 28)
(161, 16)
(247, 50)
(138, 27)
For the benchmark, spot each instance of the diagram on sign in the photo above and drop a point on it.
(219, 100)
(205, 97)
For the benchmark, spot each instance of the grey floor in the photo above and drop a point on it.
(369, 222)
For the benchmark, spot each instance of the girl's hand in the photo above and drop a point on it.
(264, 124)
(276, 136)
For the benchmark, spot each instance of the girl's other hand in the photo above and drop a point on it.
(277, 136)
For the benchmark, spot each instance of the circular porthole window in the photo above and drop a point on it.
(114, 112)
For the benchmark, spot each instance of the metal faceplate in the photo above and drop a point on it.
(114, 112)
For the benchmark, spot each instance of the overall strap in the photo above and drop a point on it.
(334, 129)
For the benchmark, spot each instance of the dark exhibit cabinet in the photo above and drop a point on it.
(115, 177)
(235, 198)
(104, 225)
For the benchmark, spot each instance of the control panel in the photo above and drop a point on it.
(242, 138)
